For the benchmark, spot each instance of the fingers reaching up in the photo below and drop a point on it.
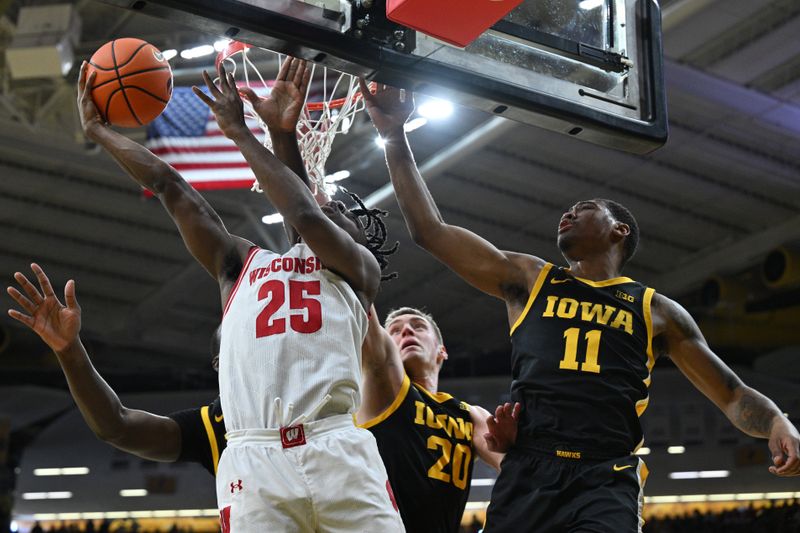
(58, 325)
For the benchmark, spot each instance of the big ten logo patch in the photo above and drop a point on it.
(624, 296)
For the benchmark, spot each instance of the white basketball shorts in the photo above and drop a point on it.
(324, 476)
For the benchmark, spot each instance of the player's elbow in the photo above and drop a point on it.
(424, 234)
(113, 432)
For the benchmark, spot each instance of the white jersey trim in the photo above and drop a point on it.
(250, 254)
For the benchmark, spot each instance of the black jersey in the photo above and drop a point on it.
(581, 361)
(425, 441)
(202, 435)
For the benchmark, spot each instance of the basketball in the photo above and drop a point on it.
(133, 83)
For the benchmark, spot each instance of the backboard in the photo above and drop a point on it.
(591, 69)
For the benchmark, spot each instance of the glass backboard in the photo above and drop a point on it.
(591, 69)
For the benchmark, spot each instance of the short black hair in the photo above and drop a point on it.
(375, 230)
(623, 214)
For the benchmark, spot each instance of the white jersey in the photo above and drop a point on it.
(293, 330)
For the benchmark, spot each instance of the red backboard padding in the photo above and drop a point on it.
(458, 22)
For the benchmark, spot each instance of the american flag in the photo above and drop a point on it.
(187, 137)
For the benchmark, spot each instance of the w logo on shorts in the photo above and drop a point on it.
(292, 436)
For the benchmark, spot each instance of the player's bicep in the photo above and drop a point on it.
(476, 260)
(690, 352)
(201, 228)
(149, 436)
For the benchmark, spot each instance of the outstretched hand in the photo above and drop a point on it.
(56, 324)
(90, 117)
(502, 428)
(389, 108)
(281, 109)
(784, 443)
(225, 103)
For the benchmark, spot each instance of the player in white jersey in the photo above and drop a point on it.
(290, 363)
(343, 488)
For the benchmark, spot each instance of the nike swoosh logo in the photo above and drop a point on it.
(218, 418)
(557, 281)
(623, 467)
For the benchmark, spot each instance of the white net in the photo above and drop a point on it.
(332, 100)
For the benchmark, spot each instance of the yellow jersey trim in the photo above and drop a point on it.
(642, 473)
(648, 321)
(641, 405)
(401, 395)
(537, 286)
(602, 283)
(438, 397)
(212, 441)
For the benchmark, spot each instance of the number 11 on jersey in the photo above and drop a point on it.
(570, 360)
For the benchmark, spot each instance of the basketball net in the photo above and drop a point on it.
(331, 102)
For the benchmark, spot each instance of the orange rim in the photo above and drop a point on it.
(236, 47)
(338, 102)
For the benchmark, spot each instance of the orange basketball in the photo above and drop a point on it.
(133, 83)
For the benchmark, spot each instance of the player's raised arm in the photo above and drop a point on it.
(382, 371)
(478, 261)
(280, 111)
(336, 248)
(141, 433)
(679, 337)
(202, 230)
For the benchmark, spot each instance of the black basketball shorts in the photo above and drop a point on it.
(540, 492)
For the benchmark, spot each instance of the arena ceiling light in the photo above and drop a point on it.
(414, 124)
(339, 175)
(160, 513)
(220, 45)
(686, 498)
(67, 471)
(644, 450)
(700, 474)
(275, 218)
(590, 4)
(133, 493)
(676, 450)
(59, 495)
(435, 109)
(169, 54)
(197, 51)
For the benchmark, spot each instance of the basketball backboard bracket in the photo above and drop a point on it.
(597, 77)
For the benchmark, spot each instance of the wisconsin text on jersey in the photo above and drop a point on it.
(287, 264)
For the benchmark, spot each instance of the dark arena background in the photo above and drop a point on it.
(715, 189)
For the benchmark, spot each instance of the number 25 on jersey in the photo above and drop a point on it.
(304, 312)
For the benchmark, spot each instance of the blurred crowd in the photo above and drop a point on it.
(116, 526)
(783, 517)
